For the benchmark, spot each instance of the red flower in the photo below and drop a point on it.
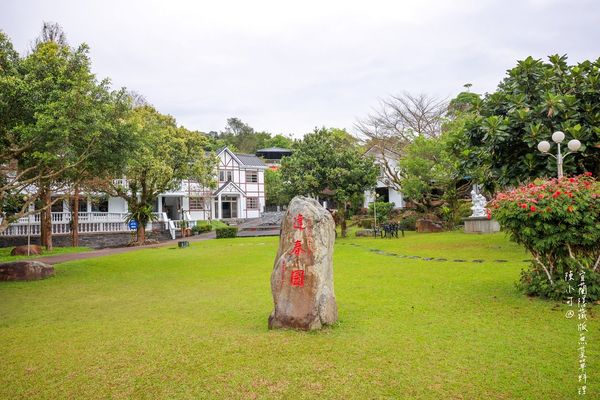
(588, 173)
(572, 180)
(523, 206)
(532, 208)
(556, 194)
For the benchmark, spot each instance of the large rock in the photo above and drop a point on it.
(34, 250)
(25, 271)
(428, 226)
(302, 278)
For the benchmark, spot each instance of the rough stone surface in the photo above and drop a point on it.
(25, 271)
(34, 250)
(308, 247)
(428, 226)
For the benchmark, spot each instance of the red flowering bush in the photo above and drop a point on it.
(558, 221)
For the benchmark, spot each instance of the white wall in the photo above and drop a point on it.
(117, 204)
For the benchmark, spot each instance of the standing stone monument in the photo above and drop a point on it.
(302, 277)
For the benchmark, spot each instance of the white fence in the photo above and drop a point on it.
(89, 222)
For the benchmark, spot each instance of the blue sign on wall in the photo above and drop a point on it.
(133, 224)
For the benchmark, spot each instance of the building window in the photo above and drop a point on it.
(251, 176)
(252, 203)
(224, 176)
(196, 204)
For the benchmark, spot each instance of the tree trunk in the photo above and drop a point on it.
(43, 230)
(47, 219)
(344, 228)
(75, 219)
(141, 233)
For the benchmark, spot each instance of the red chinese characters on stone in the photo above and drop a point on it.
(298, 222)
(297, 278)
(297, 248)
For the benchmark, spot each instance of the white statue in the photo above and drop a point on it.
(479, 202)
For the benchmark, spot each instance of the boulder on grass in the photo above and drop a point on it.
(34, 249)
(428, 226)
(25, 271)
(302, 278)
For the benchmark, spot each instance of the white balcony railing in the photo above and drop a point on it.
(89, 222)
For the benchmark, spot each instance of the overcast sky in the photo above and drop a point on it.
(286, 67)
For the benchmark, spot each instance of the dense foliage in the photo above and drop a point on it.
(275, 191)
(535, 99)
(382, 210)
(164, 155)
(59, 125)
(329, 164)
(558, 222)
(241, 137)
(228, 232)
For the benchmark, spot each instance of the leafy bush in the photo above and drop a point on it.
(409, 223)
(201, 228)
(228, 232)
(383, 210)
(558, 222)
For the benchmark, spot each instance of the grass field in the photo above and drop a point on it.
(191, 323)
(5, 253)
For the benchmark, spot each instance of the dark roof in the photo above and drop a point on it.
(274, 150)
(250, 160)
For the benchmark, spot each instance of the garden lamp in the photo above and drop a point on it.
(558, 137)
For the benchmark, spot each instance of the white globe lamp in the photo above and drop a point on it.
(558, 137)
(544, 146)
(574, 145)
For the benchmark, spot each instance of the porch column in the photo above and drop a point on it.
(220, 208)
(159, 206)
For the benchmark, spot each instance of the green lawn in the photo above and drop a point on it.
(166, 323)
(5, 253)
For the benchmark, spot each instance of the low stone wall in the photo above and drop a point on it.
(92, 240)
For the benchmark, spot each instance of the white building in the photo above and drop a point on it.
(240, 194)
(388, 166)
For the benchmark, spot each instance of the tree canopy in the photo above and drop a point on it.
(164, 155)
(328, 163)
(535, 99)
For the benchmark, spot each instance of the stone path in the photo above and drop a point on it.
(385, 253)
(61, 258)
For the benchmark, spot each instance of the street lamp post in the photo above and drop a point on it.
(558, 137)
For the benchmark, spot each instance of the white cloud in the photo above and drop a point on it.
(291, 66)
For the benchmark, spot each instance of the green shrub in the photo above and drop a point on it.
(201, 228)
(383, 211)
(228, 232)
(558, 222)
(409, 223)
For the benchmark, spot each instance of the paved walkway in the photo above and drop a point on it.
(61, 258)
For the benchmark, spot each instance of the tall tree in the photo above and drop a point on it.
(396, 123)
(164, 155)
(535, 99)
(53, 120)
(328, 163)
